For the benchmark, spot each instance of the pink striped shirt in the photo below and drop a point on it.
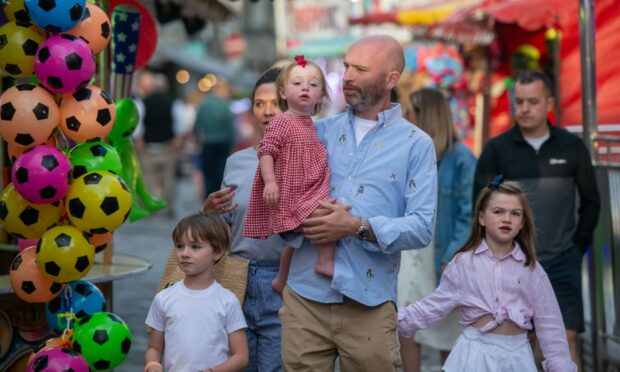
(480, 284)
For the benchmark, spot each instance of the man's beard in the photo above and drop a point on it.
(367, 95)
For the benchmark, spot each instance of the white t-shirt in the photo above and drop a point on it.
(196, 324)
(537, 143)
(362, 127)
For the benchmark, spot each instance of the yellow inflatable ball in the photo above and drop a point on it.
(15, 10)
(24, 219)
(18, 48)
(98, 202)
(29, 283)
(65, 254)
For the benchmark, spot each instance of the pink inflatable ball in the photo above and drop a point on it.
(57, 359)
(64, 63)
(26, 243)
(41, 174)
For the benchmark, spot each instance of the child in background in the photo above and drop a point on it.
(500, 290)
(196, 324)
(293, 174)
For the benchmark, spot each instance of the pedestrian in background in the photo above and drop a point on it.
(554, 167)
(215, 133)
(261, 303)
(501, 291)
(421, 269)
(196, 324)
(156, 141)
(384, 177)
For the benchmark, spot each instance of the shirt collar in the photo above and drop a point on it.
(385, 117)
(518, 136)
(516, 252)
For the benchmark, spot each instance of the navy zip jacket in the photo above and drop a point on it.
(552, 178)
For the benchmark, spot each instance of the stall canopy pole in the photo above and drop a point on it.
(589, 120)
(588, 73)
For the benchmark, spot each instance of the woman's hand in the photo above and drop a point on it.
(220, 201)
(271, 194)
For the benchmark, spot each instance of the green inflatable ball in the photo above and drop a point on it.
(103, 339)
(94, 155)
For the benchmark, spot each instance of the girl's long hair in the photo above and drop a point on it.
(525, 238)
(433, 115)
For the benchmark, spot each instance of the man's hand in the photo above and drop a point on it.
(330, 222)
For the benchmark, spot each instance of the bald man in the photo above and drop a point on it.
(383, 169)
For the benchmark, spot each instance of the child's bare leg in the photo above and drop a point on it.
(285, 263)
(325, 259)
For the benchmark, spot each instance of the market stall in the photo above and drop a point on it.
(70, 178)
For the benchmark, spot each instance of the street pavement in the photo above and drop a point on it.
(150, 239)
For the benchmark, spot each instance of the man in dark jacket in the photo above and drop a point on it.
(553, 166)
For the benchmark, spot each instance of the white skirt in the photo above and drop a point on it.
(417, 280)
(475, 351)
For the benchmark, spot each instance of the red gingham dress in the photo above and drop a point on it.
(302, 174)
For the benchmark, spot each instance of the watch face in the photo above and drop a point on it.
(363, 234)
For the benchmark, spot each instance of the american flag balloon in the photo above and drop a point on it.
(126, 30)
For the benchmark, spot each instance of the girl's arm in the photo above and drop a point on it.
(153, 356)
(549, 326)
(239, 354)
(432, 308)
(271, 191)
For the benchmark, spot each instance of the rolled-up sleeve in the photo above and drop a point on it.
(415, 229)
(274, 138)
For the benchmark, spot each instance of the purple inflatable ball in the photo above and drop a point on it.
(41, 174)
(57, 359)
(64, 63)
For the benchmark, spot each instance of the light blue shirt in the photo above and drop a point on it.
(390, 178)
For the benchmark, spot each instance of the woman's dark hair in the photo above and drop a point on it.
(267, 77)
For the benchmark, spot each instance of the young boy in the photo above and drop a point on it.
(196, 324)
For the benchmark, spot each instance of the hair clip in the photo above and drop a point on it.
(497, 180)
(301, 60)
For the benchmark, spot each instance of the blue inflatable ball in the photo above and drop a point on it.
(86, 299)
(56, 16)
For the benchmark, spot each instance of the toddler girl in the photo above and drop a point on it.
(293, 174)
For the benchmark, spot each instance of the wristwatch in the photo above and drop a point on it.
(363, 233)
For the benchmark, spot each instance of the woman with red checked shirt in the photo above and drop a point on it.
(293, 174)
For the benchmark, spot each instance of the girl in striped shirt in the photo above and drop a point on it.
(502, 292)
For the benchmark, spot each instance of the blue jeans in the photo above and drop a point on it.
(260, 308)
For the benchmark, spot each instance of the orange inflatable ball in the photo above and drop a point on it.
(28, 115)
(95, 28)
(87, 114)
(16, 150)
(29, 283)
(101, 241)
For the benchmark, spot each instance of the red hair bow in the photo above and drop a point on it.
(301, 60)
